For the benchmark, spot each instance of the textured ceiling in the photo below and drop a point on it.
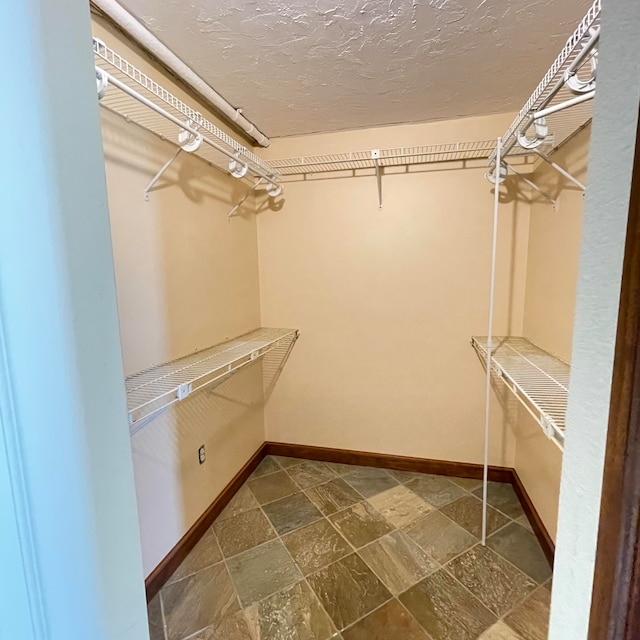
(303, 66)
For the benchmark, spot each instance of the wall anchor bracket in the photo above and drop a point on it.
(244, 198)
(375, 155)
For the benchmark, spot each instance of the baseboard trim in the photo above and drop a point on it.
(424, 465)
(161, 574)
(544, 538)
(386, 461)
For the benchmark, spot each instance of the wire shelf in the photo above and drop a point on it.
(134, 110)
(154, 389)
(538, 379)
(402, 156)
(562, 124)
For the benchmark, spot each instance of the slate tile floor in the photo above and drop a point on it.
(320, 551)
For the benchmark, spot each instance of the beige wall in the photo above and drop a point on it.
(186, 279)
(552, 273)
(386, 301)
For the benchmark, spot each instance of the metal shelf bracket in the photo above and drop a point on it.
(375, 155)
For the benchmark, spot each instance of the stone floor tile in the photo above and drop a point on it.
(390, 622)
(398, 561)
(360, 524)
(333, 496)
(198, 601)
(369, 481)
(405, 476)
(467, 512)
(291, 513)
(243, 501)
(262, 571)
(242, 532)
(440, 537)
(205, 554)
(445, 609)
(468, 484)
(500, 631)
(267, 466)
(154, 614)
(273, 487)
(436, 490)
(502, 496)
(341, 469)
(286, 462)
(524, 521)
(348, 590)
(521, 548)
(309, 474)
(495, 582)
(294, 613)
(400, 506)
(315, 546)
(531, 618)
(233, 627)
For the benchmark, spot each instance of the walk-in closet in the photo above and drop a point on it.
(346, 249)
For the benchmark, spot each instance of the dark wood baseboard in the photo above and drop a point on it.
(423, 465)
(385, 461)
(172, 561)
(545, 540)
(159, 576)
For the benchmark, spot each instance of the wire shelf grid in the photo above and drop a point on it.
(135, 111)
(562, 124)
(400, 156)
(538, 379)
(154, 389)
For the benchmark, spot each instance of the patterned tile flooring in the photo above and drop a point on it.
(321, 551)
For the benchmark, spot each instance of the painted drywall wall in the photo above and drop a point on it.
(550, 295)
(186, 279)
(62, 398)
(386, 301)
(603, 237)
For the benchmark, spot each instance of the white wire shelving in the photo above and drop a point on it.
(128, 92)
(561, 104)
(152, 390)
(539, 380)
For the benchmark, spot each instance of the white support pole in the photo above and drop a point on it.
(492, 287)
(533, 185)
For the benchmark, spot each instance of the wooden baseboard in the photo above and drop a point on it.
(385, 461)
(545, 540)
(423, 465)
(161, 574)
(172, 561)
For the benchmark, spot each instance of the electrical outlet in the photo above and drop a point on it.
(202, 455)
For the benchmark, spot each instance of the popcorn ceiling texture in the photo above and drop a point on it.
(305, 66)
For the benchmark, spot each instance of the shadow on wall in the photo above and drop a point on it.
(173, 488)
(132, 147)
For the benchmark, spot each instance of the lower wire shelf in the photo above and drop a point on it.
(154, 389)
(539, 380)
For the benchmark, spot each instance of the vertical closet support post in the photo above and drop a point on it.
(492, 287)
(160, 173)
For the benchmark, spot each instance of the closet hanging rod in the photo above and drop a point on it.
(181, 125)
(140, 34)
(560, 82)
(137, 98)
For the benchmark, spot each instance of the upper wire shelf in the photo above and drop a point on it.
(401, 156)
(538, 379)
(154, 389)
(561, 103)
(127, 91)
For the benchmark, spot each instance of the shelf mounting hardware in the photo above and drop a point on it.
(244, 198)
(375, 155)
(160, 173)
(560, 170)
(534, 186)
